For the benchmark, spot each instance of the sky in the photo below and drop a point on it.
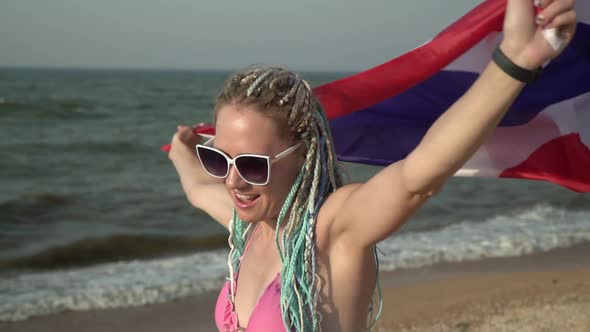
(217, 34)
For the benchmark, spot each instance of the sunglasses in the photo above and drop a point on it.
(252, 168)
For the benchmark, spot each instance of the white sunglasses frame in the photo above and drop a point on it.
(231, 161)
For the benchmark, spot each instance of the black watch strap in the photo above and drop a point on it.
(514, 70)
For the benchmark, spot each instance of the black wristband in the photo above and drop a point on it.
(514, 70)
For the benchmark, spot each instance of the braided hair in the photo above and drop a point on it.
(287, 98)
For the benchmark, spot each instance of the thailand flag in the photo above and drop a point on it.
(379, 116)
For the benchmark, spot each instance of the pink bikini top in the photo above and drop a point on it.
(266, 315)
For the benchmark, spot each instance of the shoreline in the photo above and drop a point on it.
(507, 294)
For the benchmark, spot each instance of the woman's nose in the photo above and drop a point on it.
(234, 180)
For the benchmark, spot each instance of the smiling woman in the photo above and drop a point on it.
(273, 149)
(268, 112)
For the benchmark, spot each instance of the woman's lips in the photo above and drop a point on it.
(244, 201)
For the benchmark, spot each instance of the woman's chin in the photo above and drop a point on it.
(247, 216)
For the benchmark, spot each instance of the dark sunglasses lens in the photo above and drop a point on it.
(214, 162)
(253, 169)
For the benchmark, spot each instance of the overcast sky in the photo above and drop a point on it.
(217, 34)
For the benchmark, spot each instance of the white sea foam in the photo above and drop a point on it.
(538, 229)
(110, 285)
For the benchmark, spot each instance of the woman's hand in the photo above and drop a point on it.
(183, 143)
(524, 42)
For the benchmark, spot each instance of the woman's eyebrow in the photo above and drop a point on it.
(233, 156)
(212, 144)
(216, 147)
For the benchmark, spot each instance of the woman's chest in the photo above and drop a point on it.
(257, 285)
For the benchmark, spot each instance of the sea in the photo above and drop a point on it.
(92, 214)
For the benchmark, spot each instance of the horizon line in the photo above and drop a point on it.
(132, 68)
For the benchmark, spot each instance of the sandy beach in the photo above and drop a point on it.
(542, 292)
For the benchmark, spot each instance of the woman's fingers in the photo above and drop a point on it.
(563, 21)
(189, 137)
(183, 133)
(542, 3)
(552, 10)
(182, 143)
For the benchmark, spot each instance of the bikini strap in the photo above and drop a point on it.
(248, 242)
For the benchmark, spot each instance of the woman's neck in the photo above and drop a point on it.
(267, 229)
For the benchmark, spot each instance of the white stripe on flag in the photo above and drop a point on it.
(476, 58)
(510, 146)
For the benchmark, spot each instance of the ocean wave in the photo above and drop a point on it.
(49, 109)
(110, 286)
(77, 148)
(29, 205)
(112, 248)
(537, 229)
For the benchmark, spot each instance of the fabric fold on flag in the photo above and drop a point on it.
(380, 115)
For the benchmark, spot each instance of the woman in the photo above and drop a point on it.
(302, 243)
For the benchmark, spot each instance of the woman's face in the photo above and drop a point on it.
(243, 130)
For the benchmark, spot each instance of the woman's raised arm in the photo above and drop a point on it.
(366, 214)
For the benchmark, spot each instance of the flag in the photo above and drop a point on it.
(380, 115)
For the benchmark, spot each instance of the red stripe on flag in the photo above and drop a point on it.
(359, 91)
(563, 160)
